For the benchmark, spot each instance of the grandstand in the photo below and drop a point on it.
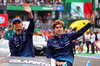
(46, 11)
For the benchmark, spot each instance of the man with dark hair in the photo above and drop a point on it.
(21, 43)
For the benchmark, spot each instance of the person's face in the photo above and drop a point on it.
(58, 30)
(10, 28)
(92, 32)
(17, 25)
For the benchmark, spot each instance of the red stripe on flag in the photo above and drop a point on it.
(87, 9)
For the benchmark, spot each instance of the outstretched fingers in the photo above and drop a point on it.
(25, 5)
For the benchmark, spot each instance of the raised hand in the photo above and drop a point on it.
(27, 8)
(92, 17)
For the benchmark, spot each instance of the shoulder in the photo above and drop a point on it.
(51, 40)
(11, 37)
(7, 31)
(67, 34)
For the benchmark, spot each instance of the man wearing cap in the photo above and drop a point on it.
(21, 43)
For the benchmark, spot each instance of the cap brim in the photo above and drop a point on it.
(16, 20)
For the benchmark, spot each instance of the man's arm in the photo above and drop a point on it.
(12, 47)
(49, 51)
(80, 32)
(31, 26)
(28, 10)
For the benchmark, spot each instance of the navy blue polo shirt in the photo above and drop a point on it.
(62, 48)
(22, 45)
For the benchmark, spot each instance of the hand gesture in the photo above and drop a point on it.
(92, 17)
(27, 8)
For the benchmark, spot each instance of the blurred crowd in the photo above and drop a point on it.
(46, 19)
(89, 39)
(33, 2)
(1, 1)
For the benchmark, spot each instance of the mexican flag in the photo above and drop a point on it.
(81, 9)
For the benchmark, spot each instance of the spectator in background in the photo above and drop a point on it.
(41, 33)
(50, 35)
(80, 49)
(49, 16)
(1, 2)
(2, 34)
(96, 39)
(42, 2)
(17, 1)
(22, 1)
(9, 32)
(38, 22)
(59, 2)
(92, 39)
(87, 39)
(32, 2)
(45, 34)
(35, 1)
(98, 35)
(9, 2)
(38, 3)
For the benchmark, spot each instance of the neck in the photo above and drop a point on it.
(58, 35)
(18, 32)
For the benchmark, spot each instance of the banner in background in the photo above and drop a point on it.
(38, 8)
(97, 22)
(3, 19)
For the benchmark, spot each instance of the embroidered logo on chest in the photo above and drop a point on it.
(16, 42)
(54, 42)
(57, 47)
(66, 42)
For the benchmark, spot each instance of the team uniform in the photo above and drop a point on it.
(61, 48)
(22, 45)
